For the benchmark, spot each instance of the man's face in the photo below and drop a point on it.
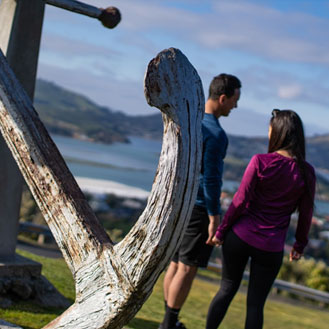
(230, 103)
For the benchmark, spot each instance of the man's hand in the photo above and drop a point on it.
(294, 255)
(213, 224)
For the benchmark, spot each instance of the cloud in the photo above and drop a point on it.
(262, 81)
(251, 40)
(240, 25)
(243, 26)
(69, 46)
(71, 54)
(268, 32)
(289, 91)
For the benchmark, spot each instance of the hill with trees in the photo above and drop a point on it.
(71, 114)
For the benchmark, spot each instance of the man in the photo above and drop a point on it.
(196, 247)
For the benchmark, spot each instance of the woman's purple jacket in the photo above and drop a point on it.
(271, 189)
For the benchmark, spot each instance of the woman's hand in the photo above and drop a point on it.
(212, 227)
(216, 242)
(294, 255)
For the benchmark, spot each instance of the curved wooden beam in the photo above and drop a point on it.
(113, 282)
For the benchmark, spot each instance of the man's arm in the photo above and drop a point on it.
(214, 151)
(212, 174)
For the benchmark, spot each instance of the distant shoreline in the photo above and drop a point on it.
(100, 186)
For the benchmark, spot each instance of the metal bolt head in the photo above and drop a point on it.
(110, 17)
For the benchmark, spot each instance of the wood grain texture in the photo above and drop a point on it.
(113, 282)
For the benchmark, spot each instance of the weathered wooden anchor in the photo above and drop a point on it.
(113, 281)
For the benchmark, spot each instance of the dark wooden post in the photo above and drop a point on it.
(20, 33)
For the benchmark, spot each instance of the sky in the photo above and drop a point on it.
(279, 49)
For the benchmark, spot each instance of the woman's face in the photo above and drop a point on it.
(269, 131)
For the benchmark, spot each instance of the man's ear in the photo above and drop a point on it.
(222, 99)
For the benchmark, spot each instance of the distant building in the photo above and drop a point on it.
(315, 243)
(324, 235)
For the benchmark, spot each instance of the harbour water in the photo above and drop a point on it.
(322, 208)
(131, 164)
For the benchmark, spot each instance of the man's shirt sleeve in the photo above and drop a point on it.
(214, 152)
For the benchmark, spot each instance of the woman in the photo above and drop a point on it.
(274, 185)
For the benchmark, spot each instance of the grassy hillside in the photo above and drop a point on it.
(318, 151)
(67, 113)
(243, 148)
(193, 315)
(277, 314)
(70, 114)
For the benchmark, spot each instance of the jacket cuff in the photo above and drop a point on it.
(219, 235)
(298, 247)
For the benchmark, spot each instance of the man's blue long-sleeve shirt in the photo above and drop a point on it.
(214, 149)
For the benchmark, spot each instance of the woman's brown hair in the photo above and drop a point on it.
(288, 134)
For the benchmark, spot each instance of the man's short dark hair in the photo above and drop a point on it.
(223, 84)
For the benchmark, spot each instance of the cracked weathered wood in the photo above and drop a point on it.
(112, 282)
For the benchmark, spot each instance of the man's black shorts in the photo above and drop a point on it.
(193, 250)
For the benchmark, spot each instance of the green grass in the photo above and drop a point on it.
(31, 316)
(277, 314)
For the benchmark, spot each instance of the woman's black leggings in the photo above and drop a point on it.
(264, 267)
